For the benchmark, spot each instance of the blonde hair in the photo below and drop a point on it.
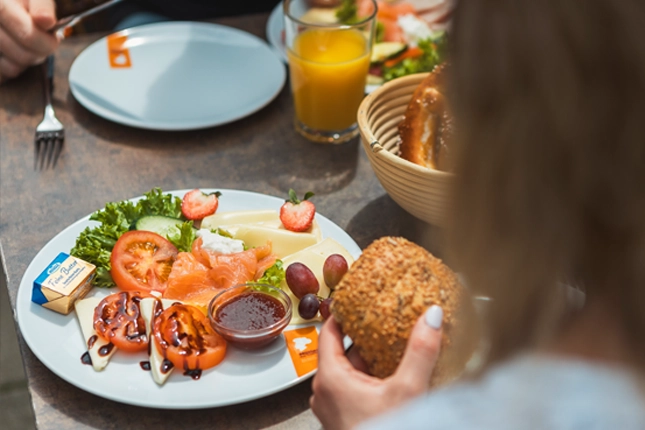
(549, 99)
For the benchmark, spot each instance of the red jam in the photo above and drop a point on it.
(250, 311)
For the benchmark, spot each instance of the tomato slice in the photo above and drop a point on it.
(141, 261)
(118, 320)
(185, 338)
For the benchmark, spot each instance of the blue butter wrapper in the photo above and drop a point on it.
(64, 281)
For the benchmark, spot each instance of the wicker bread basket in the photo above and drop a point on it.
(419, 190)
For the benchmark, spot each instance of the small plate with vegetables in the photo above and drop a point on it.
(159, 258)
(410, 38)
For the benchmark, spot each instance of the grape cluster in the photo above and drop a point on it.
(304, 285)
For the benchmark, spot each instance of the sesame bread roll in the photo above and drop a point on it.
(383, 294)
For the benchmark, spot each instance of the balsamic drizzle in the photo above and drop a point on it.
(106, 349)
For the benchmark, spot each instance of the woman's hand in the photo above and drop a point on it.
(344, 395)
(24, 36)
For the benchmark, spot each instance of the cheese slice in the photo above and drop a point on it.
(232, 221)
(316, 231)
(277, 224)
(239, 217)
(284, 242)
(314, 258)
(147, 307)
(85, 314)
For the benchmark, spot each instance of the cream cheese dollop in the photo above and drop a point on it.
(414, 29)
(220, 244)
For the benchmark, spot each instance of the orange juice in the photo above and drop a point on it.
(328, 71)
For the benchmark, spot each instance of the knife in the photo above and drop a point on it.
(62, 25)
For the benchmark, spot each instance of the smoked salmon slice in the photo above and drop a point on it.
(392, 12)
(189, 281)
(197, 276)
(391, 31)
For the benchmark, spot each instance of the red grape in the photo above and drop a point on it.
(308, 306)
(324, 308)
(301, 280)
(334, 269)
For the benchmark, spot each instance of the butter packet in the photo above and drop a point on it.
(64, 281)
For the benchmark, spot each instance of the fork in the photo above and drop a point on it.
(50, 134)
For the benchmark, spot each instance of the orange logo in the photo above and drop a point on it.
(302, 344)
(117, 52)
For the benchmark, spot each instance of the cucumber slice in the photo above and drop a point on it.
(385, 50)
(162, 225)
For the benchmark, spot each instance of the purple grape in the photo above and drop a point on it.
(308, 307)
(334, 269)
(301, 280)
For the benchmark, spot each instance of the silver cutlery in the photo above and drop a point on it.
(69, 21)
(50, 134)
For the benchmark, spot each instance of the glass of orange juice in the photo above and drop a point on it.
(329, 57)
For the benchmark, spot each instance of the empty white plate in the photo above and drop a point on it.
(182, 76)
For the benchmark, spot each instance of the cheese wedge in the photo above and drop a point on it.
(85, 313)
(314, 258)
(147, 307)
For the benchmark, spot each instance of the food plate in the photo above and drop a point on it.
(274, 30)
(176, 76)
(57, 341)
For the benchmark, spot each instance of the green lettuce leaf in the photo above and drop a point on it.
(157, 203)
(434, 53)
(184, 237)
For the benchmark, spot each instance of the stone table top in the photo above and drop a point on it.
(103, 161)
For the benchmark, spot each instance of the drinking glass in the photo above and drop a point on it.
(328, 65)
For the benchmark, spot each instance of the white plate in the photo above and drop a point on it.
(57, 340)
(275, 27)
(184, 75)
(274, 30)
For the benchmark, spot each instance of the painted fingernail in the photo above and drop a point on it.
(434, 317)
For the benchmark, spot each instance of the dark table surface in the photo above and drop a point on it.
(103, 161)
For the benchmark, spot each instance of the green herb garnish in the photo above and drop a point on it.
(274, 275)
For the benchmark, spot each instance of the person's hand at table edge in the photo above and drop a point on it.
(344, 395)
(24, 37)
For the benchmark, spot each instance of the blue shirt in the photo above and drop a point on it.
(529, 392)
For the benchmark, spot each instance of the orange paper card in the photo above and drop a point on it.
(117, 52)
(302, 344)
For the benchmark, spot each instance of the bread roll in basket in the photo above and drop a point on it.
(421, 191)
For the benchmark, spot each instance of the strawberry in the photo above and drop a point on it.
(197, 205)
(297, 215)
